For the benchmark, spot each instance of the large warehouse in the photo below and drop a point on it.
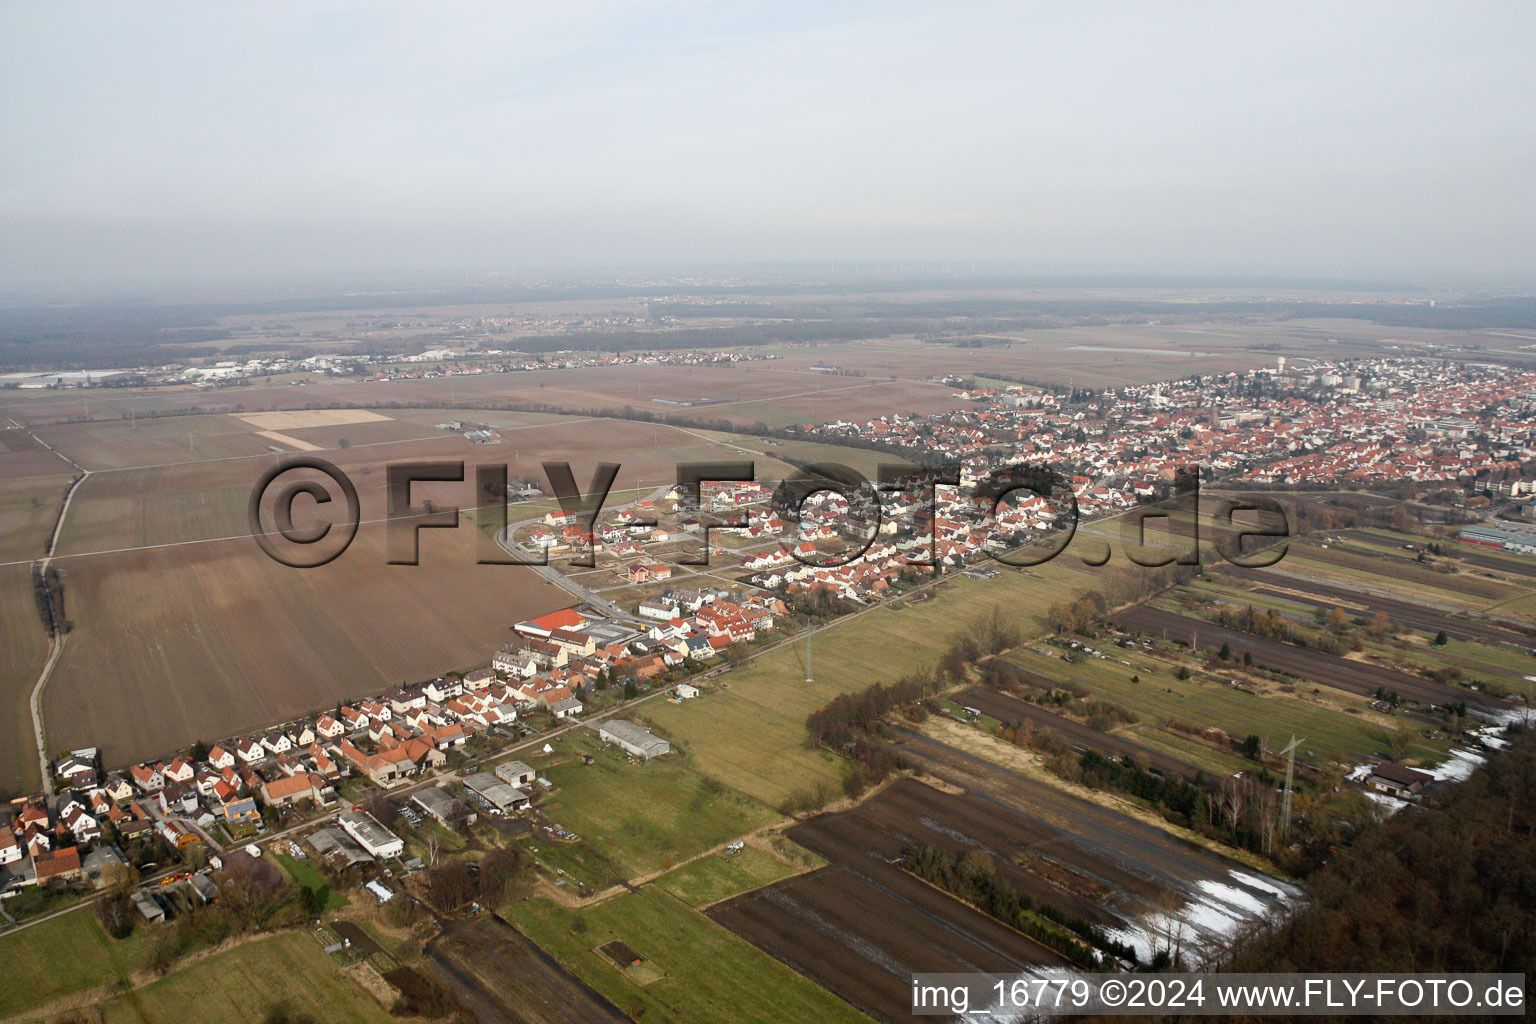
(504, 798)
(1509, 536)
(636, 739)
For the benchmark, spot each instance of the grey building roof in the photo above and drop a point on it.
(636, 739)
(496, 791)
(334, 844)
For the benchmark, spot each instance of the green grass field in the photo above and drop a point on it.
(66, 955)
(1505, 665)
(719, 876)
(707, 973)
(243, 985)
(304, 873)
(639, 819)
(752, 735)
(1160, 695)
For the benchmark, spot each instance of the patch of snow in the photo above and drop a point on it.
(1459, 765)
(1264, 884)
(1390, 804)
(1214, 912)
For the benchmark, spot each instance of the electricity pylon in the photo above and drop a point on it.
(1290, 772)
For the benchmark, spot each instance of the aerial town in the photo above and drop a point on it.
(773, 514)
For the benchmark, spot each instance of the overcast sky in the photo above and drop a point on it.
(168, 141)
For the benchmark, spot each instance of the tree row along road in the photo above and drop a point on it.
(56, 642)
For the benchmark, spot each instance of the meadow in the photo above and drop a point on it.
(752, 734)
(66, 955)
(640, 819)
(705, 972)
(237, 987)
(720, 876)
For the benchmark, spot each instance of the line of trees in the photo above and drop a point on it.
(973, 879)
(48, 593)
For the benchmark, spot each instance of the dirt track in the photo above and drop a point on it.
(1011, 709)
(1315, 666)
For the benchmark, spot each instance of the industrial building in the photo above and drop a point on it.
(636, 739)
(1508, 536)
(497, 794)
(371, 835)
(447, 809)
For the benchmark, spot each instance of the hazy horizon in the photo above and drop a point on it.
(183, 143)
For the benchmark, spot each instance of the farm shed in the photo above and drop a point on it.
(638, 740)
(449, 811)
(497, 793)
(515, 773)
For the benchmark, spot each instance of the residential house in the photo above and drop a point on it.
(147, 777)
(179, 770)
(276, 742)
(61, 864)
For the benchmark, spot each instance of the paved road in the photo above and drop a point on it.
(552, 575)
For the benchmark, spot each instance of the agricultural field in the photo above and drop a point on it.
(720, 876)
(693, 969)
(236, 986)
(29, 506)
(494, 972)
(207, 640)
(178, 503)
(23, 652)
(1360, 566)
(1497, 656)
(752, 735)
(1338, 724)
(68, 955)
(21, 456)
(1121, 743)
(161, 553)
(863, 925)
(640, 818)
